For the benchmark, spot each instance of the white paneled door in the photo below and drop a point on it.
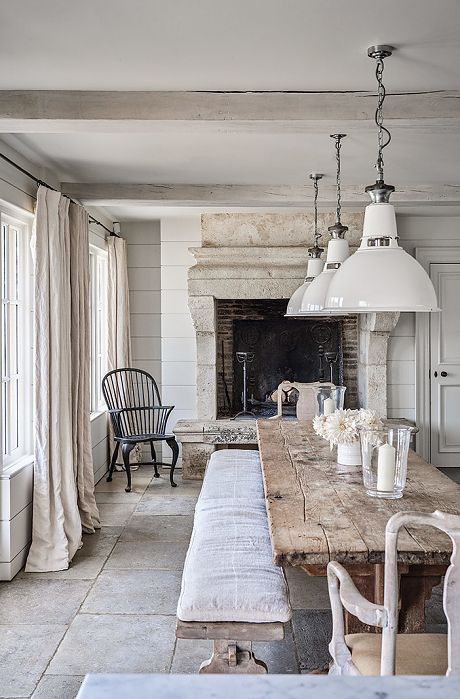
(445, 366)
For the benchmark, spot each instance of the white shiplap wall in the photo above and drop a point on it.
(144, 261)
(178, 345)
(401, 369)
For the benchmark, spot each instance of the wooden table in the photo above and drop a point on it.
(318, 511)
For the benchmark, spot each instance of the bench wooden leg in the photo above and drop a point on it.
(233, 657)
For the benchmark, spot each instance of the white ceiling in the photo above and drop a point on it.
(226, 44)
(231, 45)
(214, 155)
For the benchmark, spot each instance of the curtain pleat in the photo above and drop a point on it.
(63, 497)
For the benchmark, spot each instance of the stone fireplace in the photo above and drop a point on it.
(246, 269)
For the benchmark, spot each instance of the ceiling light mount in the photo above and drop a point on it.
(380, 51)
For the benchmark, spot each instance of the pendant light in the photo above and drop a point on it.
(380, 275)
(314, 298)
(315, 263)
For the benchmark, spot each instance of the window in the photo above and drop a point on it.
(16, 350)
(99, 263)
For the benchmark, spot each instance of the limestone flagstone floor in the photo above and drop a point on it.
(114, 609)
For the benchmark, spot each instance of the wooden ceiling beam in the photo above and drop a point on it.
(69, 110)
(232, 195)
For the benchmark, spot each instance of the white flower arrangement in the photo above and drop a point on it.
(342, 426)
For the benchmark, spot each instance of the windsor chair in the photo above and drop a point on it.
(137, 417)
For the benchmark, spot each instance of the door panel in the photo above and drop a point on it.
(445, 366)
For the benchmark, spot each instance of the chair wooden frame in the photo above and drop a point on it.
(344, 595)
(137, 416)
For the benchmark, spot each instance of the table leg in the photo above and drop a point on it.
(415, 590)
(416, 584)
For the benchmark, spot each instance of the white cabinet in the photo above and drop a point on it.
(16, 486)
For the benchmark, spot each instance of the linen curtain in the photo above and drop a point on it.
(119, 339)
(119, 336)
(63, 500)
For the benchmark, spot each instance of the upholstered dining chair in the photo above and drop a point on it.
(391, 653)
(137, 416)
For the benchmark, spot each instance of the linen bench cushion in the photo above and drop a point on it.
(233, 473)
(229, 574)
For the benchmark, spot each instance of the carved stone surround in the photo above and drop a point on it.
(264, 256)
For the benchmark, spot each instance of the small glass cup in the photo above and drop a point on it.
(384, 455)
(329, 399)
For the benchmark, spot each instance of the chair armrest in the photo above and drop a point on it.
(351, 598)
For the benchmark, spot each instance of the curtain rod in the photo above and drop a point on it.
(48, 186)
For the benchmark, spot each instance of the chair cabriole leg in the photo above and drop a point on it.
(113, 461)
(172, 444)
(126, 449)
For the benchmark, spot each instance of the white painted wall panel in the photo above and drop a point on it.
(177, 331)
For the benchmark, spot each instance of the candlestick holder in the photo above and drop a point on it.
(384, 457)
(329, 399)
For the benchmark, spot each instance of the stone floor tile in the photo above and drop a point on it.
(188, 656)
(115, 514)
(118, 497)
(115, 643)
(305, 591)
(144, 554)
(81, 568)
(153, 505)
(58, 687)
(25, 651)
(312, 634)
(279, 656)
(134, 592)
(100, 543)
(41, 601)
(434, 611)
(139, 483)
(184, 488)
(158, 528)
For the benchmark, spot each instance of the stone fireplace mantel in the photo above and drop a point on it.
(257, 256)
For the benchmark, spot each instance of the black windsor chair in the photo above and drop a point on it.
(137, 416)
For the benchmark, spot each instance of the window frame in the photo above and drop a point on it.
(99, 325)
(22, 223)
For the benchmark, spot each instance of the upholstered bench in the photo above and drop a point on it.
(232, 593)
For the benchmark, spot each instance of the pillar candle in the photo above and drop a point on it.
(386, 464)
(329, 406)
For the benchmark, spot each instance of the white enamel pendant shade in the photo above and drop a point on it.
(314, 298)
(381, 277)
(314, 268)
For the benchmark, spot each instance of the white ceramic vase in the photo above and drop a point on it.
(349, 454)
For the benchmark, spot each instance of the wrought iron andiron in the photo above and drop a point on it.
(245, 358)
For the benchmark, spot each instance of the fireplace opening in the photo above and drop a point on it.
(278, 349)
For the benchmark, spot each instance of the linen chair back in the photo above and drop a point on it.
(450, 524)
(134, 403)
(344, 594)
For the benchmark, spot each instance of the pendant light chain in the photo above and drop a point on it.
(381, 93)
(338, 145)
(315, 186)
